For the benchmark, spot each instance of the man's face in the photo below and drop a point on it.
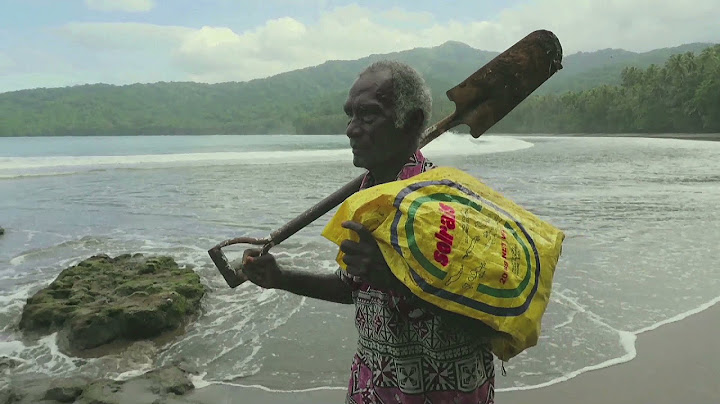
(374, 139)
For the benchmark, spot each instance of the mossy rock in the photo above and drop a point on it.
(102, 300)
(162, 385)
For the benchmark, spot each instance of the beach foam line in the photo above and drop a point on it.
(17, 295)
(44, 174)
(680, 316)
(627, 340)
(29, 167)
(200, 383)
(133, 160)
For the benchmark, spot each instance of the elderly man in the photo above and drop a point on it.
(408, 350)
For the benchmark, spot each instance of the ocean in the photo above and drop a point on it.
(641, 216)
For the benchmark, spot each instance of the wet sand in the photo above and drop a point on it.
(676, 363)
(682, 136)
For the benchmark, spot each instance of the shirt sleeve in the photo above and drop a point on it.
(348, 279)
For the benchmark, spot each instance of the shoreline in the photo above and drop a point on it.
(671, 361)
(676, 362)
(663, 369)
(680, 136)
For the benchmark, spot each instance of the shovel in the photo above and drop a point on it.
(481, 101)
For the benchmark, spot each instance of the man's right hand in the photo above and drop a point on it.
(265, 272)
(261, 270)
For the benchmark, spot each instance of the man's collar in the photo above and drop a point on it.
(416, 164)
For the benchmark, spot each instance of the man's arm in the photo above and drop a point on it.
(469, 325)
(328, 287)
(264, 271)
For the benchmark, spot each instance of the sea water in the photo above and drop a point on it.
(641, 216)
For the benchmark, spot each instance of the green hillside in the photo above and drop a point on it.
(680, 96)
(302, 101)
(585, 70)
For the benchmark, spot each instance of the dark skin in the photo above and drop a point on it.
(376, 143)
(382, 149)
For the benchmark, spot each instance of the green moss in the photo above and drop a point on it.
(190, 291)
(102, 299)
(145, 285)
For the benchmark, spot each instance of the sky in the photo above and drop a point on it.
(56, 43)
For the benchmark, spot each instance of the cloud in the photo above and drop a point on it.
(638, 25)
(398, 15)
(214, 54)
(123, 35)
(217, 53)
(129, 6)
(6, 63)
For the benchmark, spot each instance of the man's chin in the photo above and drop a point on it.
(359, 161)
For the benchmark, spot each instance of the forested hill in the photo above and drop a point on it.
(302, 101)
(680, 96)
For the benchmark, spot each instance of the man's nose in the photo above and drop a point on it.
(353, 129)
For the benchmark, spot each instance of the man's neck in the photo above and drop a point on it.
(388, 172)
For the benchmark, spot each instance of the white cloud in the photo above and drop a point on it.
(398, 15)
(638, 25)
(213, 54)
(130, 6)
(6, 63)
(124, 35)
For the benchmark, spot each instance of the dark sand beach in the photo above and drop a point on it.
(676, 363)
(680, 136)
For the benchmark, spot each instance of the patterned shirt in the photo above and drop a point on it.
(408, 355)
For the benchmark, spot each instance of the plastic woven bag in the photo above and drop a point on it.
(458, 244)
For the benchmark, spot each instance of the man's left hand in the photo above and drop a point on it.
(364, 259)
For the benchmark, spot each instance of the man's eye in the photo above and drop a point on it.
(368, 118)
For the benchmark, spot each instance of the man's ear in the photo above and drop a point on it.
(414, 122)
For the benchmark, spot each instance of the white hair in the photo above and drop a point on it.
(410, 92)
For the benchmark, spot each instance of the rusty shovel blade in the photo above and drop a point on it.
(232, 277)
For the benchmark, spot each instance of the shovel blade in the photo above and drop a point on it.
(485, 97)
(232, 277)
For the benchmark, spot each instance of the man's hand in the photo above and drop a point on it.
(364, 259)
(261, 270)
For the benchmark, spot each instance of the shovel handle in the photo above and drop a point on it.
(234, 277)
(314, 213)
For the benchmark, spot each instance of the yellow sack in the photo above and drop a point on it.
(458, 244)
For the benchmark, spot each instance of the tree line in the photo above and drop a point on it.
(680, 96)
